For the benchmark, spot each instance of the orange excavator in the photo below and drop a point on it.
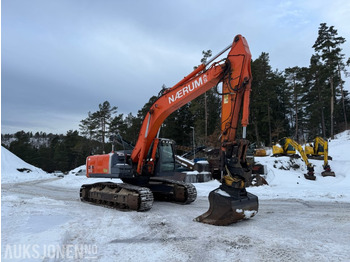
(148, 170)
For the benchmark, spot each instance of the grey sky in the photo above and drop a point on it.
(60, 59)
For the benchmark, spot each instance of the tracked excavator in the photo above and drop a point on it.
(319, 150)
(288, 147)
(148, 170)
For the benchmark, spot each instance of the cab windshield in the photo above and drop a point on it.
(167, 157)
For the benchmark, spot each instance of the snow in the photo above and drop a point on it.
(10, 165)
(247, 213)
(298, 219)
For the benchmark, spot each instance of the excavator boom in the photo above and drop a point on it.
(235, 73)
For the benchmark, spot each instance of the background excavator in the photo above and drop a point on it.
(319, 150)
(289, 147)
(148, 170)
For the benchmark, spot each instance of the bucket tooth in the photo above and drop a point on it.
(226, 209)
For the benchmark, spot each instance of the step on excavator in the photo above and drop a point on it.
(148, 170)
(288, 148)
(319, 150)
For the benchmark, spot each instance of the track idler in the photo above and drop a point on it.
(228, 206)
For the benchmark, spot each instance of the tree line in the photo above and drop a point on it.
(50, 152)
(298, 102)
(302, 102)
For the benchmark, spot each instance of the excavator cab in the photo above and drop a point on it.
(166, 157)
(309, 150)
(286, 148)
(316, 149)
(160, 161)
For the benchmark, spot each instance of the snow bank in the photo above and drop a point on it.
(14, 169)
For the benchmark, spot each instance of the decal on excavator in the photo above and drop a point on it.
(188, 88)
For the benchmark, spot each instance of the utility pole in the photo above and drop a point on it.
(194, 147)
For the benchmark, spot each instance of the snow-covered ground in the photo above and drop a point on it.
(298, 219)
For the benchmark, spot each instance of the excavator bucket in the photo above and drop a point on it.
(225, 209)
(310, 176)
(327, 171)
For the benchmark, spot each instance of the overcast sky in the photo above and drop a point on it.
(61, 59)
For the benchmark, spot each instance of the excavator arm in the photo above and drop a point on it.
(321, 147)
(234, 72)
(320, 142)
(298, 147)
(310, 169)
(286, 143)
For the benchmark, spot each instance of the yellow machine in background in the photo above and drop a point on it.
(257, 149)
(319, 150)
(260, 152)
(288, 148)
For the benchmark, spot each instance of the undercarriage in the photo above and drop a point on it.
(123, 196)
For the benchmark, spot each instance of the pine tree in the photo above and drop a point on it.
(317, 98)
(281, 106)
(22, 148)
(327, 45)
(96, 125)
(342, 104)
(88, 126)
(341, 68)
(296, 78)
(205, 110)
(118, 125)
(132, 124)
(261, 99)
